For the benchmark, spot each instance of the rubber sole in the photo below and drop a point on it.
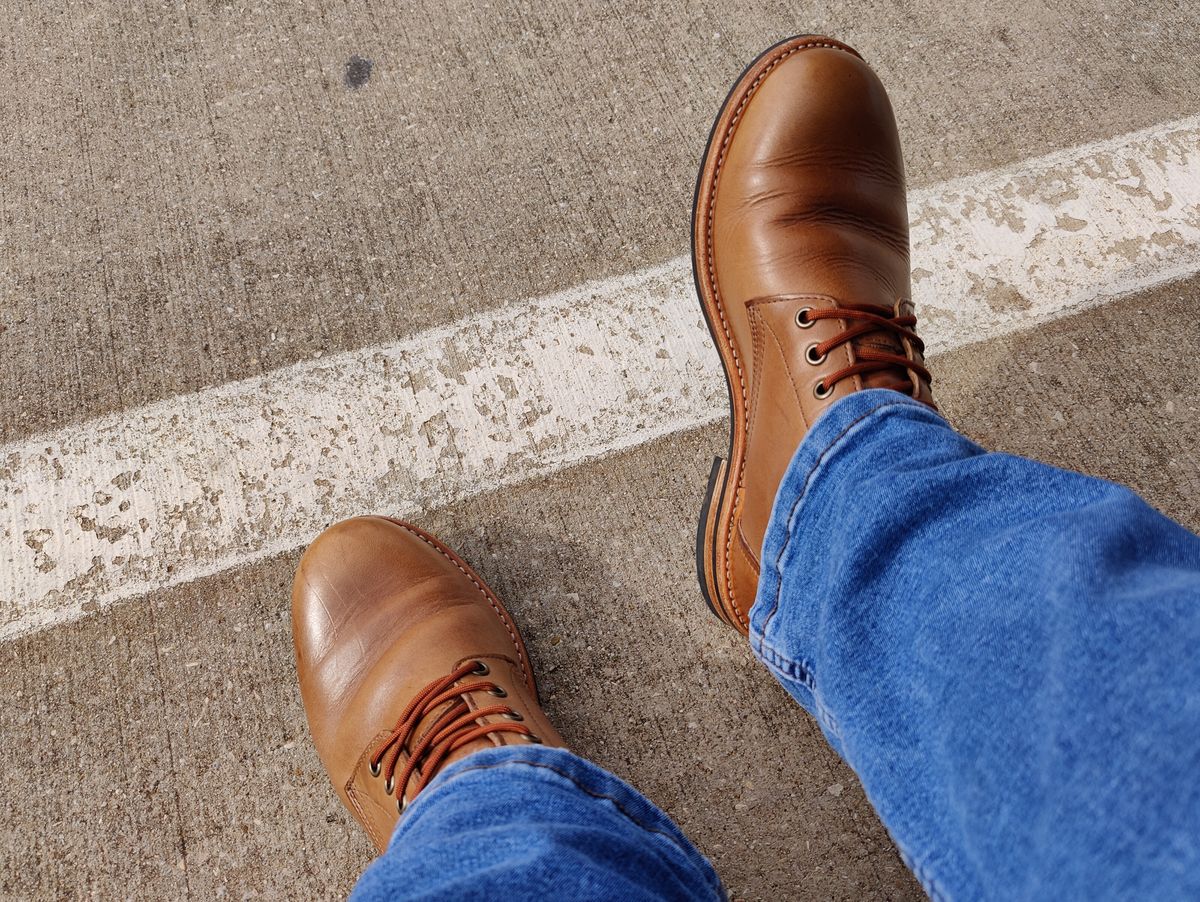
(705, 561)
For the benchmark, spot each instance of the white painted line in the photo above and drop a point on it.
(151, 497)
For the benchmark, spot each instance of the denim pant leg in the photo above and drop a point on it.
(1007, 654)
(536, 823)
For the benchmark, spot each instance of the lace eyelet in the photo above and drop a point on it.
(376, 767)
(401, 804)
(514, 715)
(802, 319)
(813, 357)
(534, 738)
(389, 785)
(481, 669)
(499, 692)
(820, 392)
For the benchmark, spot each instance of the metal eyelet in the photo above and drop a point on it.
(514, 715)
(401, 804)
(820, 392)
(481, 669)
(499, 692)
(802, 319)
(534, 738)
(376, 767)
(812, 357)
(389, 785)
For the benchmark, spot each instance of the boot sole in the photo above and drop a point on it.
(716, 510)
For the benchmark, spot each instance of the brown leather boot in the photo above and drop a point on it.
(800, 253)
(407, 661)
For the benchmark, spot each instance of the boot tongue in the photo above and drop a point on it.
(882, 341)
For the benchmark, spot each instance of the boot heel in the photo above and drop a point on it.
(706, 553)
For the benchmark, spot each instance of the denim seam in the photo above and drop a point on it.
(781, 667)
(921, 872)
(785, 667)
(788, 667)
(835, 443)
(717, 887)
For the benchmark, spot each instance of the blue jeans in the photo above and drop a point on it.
(1007, 654)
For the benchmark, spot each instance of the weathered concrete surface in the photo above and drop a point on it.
(193, 194)
(199, 192)
(160, 750)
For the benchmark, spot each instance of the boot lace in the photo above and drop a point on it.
(865, 319)
(453, 728)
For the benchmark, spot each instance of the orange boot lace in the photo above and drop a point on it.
(865, 319)
(453, 728)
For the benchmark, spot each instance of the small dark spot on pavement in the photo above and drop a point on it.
(358, 70)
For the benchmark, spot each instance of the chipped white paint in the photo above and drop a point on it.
(1001, 251)
(176, 490)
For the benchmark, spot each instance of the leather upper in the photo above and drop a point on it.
(804, 208)
(381, 609)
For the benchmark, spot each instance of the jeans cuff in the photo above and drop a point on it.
(567, 771)
(549, 763)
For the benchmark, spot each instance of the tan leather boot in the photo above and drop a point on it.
(407, 661)
(800, 253)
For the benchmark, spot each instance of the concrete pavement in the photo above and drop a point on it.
(196, 193)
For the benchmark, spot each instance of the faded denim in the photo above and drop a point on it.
(1006, 653)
